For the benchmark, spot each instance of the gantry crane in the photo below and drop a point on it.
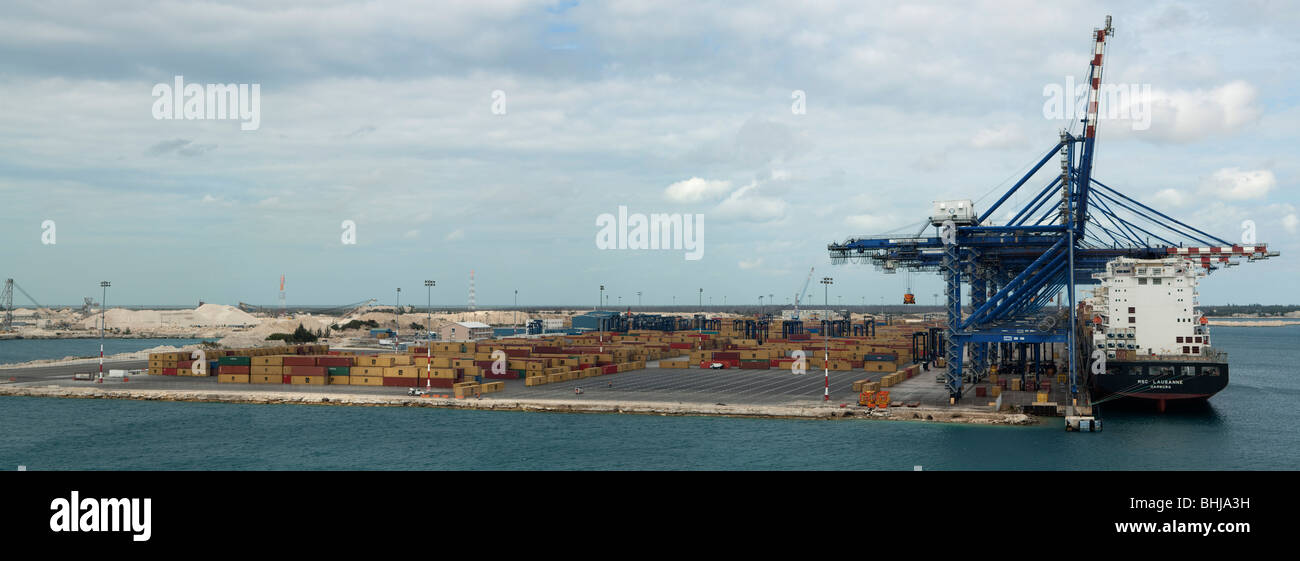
(1067, 232)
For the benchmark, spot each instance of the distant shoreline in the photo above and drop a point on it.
(1251, 322)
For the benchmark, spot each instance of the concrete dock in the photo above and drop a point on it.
(692, 391)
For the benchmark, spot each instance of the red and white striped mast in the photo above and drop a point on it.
(103, 305)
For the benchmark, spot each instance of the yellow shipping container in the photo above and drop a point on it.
(309, 380)
(232, 379)
(276, 360)
(355, 380)
(339, 380)
(267, 370)
(402, 371)
(264, 379)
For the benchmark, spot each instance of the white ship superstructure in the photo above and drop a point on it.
(1149, 306)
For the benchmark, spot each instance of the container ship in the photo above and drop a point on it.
(1156, 343)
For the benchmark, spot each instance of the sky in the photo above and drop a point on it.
(490, 137)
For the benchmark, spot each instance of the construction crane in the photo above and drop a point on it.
(7, 302)
(799, 295)
(1060, 238)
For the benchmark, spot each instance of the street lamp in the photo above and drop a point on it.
(516, 330)
(638, 298)
(826, 286)
(602, 297)
(103, 305)
(428, 336)
(397, 319)
(701, 304)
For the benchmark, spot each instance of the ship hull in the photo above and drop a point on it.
(1164, 381)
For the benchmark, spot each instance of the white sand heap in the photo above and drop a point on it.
(207, 315)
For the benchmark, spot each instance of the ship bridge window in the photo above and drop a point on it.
(1187, 370)
(1187, 350)
(1196, 350)
(1162, 371)
(1155, 281)
(1142, 280)
(1209, 370)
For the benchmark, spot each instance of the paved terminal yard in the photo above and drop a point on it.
(650, 385)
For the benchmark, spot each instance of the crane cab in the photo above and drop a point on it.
(909, 298)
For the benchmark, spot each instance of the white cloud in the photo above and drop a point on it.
(746, 204)
(1169, 198)
(751, 263)
(209, 199)
(454, 235)
(411, 234)
(1187, 116)
(1005, 136)
(696, 189)
(869, 223)
(1291, 223)
(268, 202)
(1238, 185)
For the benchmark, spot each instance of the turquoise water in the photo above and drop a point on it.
(23, 350)
(1250, 425)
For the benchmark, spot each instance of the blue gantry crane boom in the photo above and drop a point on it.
(1071, 228)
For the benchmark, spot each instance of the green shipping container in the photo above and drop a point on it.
(338, 370)
(236, 361)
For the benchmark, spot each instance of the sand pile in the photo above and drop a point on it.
(207, 315)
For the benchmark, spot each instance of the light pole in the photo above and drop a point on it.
(760, 304)
(428, 340)
(638, 298)
(826, 286)
(516, 330)
(701, 304)
(602, 297)
(397, 319)
(103, 305)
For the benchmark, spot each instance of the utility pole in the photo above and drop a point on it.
(428, 339)
(103, 305)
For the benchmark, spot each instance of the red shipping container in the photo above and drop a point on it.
(333, 361)
(400, 382)
(286, 379)
(611, 369)
(184, 364)
(436, 383)
(307, 370)
(231, 369)
(301, 361)
(169, 372)
(518, 352)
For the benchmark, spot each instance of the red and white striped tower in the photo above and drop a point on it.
(1094, 79)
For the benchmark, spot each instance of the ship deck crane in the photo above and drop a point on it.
(1059, 239)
